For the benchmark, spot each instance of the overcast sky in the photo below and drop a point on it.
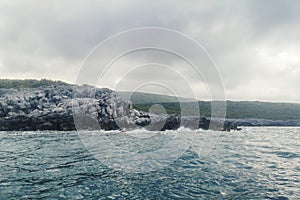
(254, 44)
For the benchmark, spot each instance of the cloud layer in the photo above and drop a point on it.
(255, 44)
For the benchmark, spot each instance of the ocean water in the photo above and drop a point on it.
(256, 163)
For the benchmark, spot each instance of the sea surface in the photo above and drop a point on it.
(255, 163)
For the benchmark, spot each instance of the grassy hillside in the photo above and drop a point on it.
(264, 110)
(245, 109)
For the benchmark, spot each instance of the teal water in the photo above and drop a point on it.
(256, 163)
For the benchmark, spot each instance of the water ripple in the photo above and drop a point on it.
(258, 163)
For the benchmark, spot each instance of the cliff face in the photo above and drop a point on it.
(56, 107)
(82, 107)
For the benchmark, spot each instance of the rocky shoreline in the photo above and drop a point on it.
(66, 108)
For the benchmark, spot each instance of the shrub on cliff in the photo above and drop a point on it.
(27, 83)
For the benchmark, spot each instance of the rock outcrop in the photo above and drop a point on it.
(85, 107)
(56, 107)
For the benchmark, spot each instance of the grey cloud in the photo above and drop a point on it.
(255, 44)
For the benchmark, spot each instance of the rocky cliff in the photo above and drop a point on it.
(70, 107)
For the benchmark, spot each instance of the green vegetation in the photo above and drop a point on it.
(27, 83)
(239, 110)
(235, 109)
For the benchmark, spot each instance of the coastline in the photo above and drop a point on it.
(71, 107)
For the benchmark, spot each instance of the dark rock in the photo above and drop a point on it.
(172, 123)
